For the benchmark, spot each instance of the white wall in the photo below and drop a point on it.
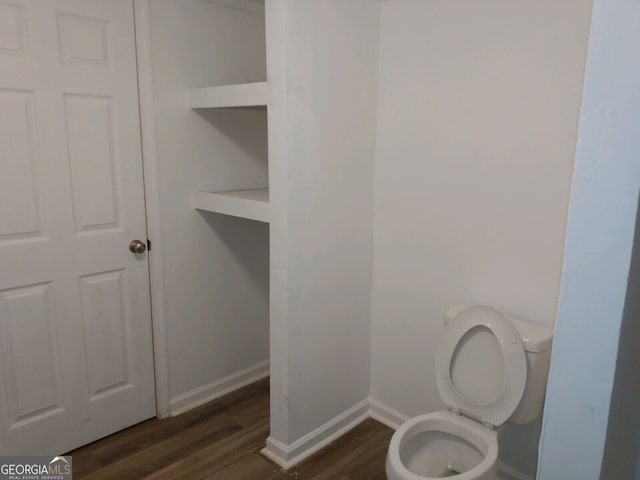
(477, 122)
(322, 73)
(600, 230)
(216, 267)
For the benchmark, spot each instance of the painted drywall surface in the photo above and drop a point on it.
(322, 74)
(477, 122)
(602, 217)
(216, 267)
(275, 20)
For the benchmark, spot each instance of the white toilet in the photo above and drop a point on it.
(490, 369)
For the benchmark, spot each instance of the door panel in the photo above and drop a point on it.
(20, 207)
(76, 358)
(89, 122)
(29, 353)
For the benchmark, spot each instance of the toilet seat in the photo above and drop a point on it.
(496, 338)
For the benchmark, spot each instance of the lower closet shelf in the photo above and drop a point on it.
(250, 204)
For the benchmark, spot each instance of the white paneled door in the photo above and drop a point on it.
(76, 359)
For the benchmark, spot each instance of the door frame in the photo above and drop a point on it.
(141, 13)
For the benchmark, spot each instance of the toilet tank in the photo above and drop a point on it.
(536, 340)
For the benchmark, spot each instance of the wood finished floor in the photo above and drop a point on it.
(221, 441)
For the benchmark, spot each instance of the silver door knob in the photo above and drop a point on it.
(136, 246)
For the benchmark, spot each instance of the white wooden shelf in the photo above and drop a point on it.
(250, 204)
(229, 96)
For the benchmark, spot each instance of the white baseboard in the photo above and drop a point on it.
(385, 414)
(505, 472)
(289, 455)
(206, 393)
(251, 7)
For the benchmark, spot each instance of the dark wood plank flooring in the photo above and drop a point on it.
(221, 441)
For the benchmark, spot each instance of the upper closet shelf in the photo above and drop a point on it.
(251, 204)
(228, 96)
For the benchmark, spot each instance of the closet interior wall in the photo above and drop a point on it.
(216, 267)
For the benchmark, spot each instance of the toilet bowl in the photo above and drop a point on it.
(487, 365)
(440, 445)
